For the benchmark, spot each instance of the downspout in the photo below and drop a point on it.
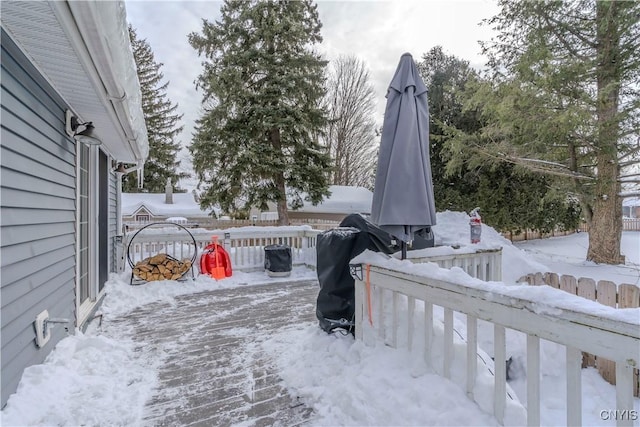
(122, 235)
(119, 176)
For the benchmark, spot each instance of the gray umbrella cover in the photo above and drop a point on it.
(403, 201)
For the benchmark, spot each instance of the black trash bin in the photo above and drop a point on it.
(277, 260)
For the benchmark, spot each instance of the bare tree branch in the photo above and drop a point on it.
(350, 135)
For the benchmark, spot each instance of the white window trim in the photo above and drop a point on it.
(84, 308)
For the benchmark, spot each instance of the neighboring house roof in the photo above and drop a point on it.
(631, 201)
(184, 205)
(83, 50)
(343, 200)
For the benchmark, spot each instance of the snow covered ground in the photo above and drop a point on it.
(566, 255)
(95, 379)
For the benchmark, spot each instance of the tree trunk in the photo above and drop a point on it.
(605, 229)
(278, 179)
(283, 212)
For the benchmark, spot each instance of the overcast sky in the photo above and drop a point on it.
(378, 32)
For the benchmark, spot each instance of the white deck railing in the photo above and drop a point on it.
(245, 247)
(579, 331)
(485, 264)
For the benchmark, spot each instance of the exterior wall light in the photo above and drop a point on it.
(86, 135)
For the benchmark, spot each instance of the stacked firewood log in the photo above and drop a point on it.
(161, 267)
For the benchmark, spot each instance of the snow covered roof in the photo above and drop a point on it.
(184, 205)
(83, 50)
(631, 201)
(343, 200)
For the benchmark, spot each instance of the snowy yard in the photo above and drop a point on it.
(110, 374)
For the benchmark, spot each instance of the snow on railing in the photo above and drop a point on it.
(244, 245)
(535, 311)
(485, 264)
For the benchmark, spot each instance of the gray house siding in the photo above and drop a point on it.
(37, 210)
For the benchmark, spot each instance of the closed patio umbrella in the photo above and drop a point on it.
(403, 202)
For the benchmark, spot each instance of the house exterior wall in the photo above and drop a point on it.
(38, 214)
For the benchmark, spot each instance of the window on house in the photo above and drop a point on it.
(142, 218)
(84, 214)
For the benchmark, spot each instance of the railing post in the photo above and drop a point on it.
(483, 267)
(574, 387)
(227, 242)
(448, 343)
(624, 395)
(305, 248)
(533, 381)
(500, 363)
(479, 268)
(394, 320)
(472, 350)
(359, 315)
(380, 307)
(428, 331)
(497, 266)
(411, 306)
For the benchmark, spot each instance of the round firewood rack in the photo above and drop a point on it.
(135, 280)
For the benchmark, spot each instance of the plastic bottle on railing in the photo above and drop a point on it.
(475, 224)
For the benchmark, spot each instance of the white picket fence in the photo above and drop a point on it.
(393, 293)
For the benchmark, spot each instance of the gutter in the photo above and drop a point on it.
(98, 49)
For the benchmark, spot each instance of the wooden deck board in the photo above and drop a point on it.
(212, 373)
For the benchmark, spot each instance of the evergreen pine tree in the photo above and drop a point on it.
(446, 77)
(510, 198)
(564, 101)
(161, 120)
(263, 86)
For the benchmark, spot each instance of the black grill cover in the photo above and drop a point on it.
(335, 248)
(277, 258)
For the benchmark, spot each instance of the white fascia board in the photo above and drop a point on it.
(98, 29)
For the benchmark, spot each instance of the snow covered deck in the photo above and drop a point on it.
(212, 370)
